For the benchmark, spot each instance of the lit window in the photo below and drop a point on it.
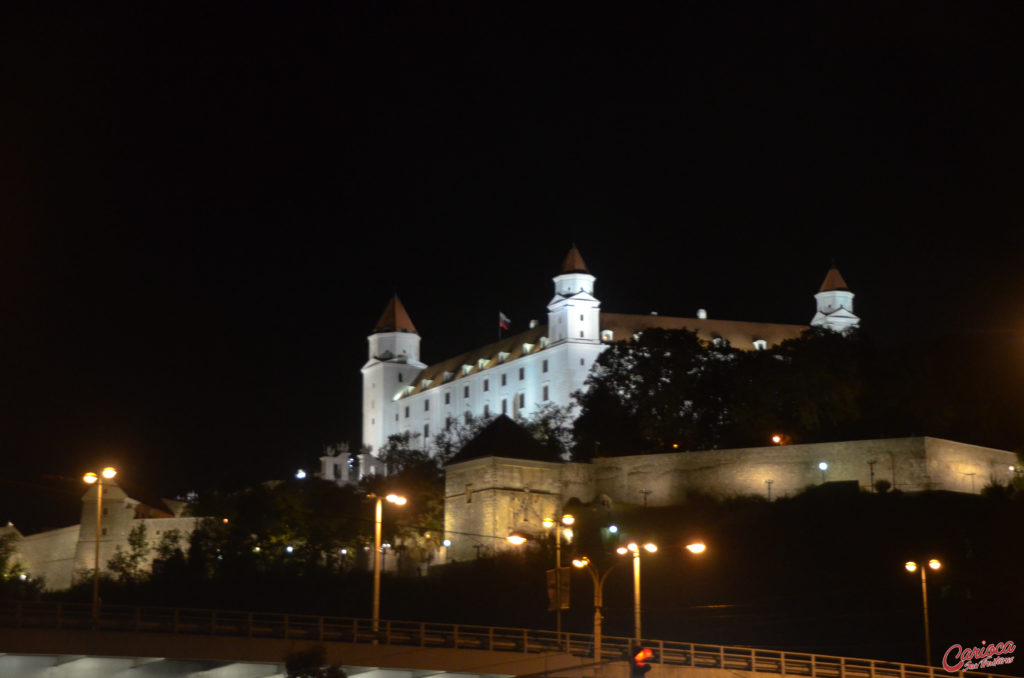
(607, 335)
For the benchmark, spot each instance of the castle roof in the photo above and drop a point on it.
(622, 326)
(395, 318)
(833, 281)
(739, 333)
(503, 438)
(574, 262)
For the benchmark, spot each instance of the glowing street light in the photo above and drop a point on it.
(584, 563)
(823, 466)
(91, 478)
(562, 529)
(397, 500)
(913, 567)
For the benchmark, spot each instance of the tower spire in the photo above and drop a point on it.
(395, 318)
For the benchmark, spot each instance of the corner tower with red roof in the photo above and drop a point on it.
(835, 304)
(390, 371)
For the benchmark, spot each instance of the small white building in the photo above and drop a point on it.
(543, 364)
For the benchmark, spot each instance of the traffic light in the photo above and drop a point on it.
(638, 665)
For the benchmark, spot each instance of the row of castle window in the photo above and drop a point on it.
(504, 377)
(521, 397)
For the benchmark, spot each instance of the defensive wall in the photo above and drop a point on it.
(488, 497)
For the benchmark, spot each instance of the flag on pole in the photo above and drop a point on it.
(503, 321)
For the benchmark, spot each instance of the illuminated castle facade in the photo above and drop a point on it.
(544, 364)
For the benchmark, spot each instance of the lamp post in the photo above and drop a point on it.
(585, 564)
(912, 567)
(562, 526)
(634, 548)
(91, 478)
(378, 516)
(567, 521)
(823, 467)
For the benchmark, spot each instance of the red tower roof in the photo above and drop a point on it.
(395, 318)
(574, 262)
(833, 281)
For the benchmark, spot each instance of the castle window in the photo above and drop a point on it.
(465, 392)
(104, 532)
(466, 369)
(406, 411)
(399, 376)
(581, 334)
(426, 431)
(522, 400)
(396, 416)
(503, 356)
(468, 417)
(426, 405)
(527, 348)
(760, 344)
(482, 363)
(504, 406)
(582, 362)
(504, 379)
(448, 376)
(544, 366)
(522, 373)
(581, 316)
(545, 397)
(607, 335)
(487, 410)
(448, 398)
(487, 385)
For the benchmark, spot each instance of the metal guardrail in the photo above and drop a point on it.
(458, 636)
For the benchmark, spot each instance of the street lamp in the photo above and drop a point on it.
(567, 521)
(585, 564)
(634, 548)
(91, 478)
(562, 527)
(823, 466)
(913, 567)
(378, 516)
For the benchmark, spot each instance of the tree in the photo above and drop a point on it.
(551, 425)
(127, 565)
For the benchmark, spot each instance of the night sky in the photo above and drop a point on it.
(204, 207)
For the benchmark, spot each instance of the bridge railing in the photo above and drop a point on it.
(32, 615)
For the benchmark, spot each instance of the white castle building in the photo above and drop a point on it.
(544, 364)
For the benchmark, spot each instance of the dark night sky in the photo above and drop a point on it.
(205, 207)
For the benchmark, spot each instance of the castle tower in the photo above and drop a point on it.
(116, 523)
(394, 362)
(835, 304)
(574, 331)
(573, 313)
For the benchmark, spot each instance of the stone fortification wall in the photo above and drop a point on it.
(49, 555)
(488, 498)
(959, 467)
(667, 479)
